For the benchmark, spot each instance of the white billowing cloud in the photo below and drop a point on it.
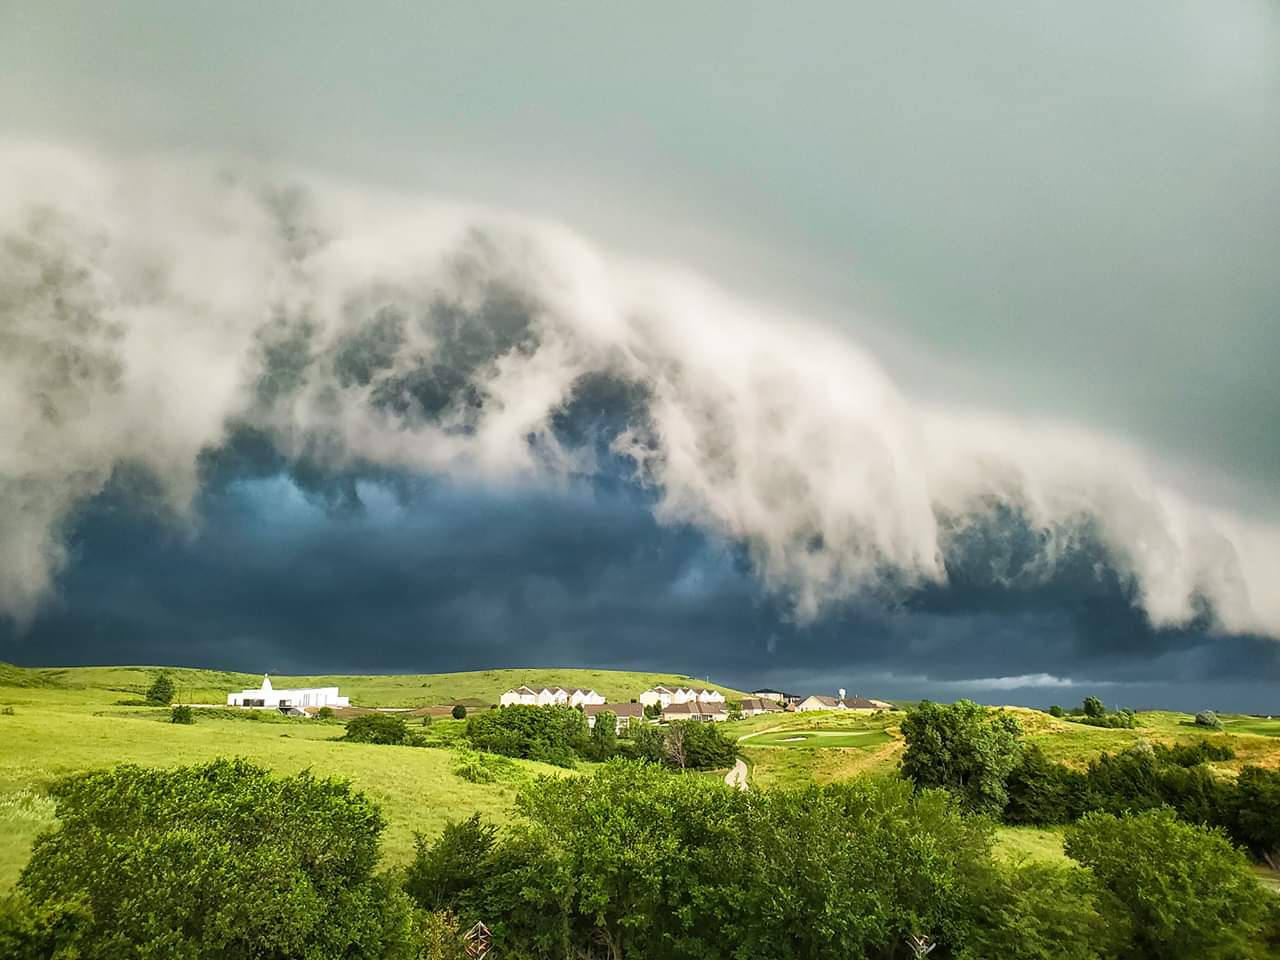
(145, 305)
(1024, 681)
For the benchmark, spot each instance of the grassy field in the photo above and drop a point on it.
(477, 687)
(817, 738)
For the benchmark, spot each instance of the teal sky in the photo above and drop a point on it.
(1070, 209)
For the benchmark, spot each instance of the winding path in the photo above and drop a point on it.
(737, 777)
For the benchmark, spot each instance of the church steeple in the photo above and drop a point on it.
(266, 682)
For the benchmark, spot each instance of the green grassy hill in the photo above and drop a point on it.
(390, 690)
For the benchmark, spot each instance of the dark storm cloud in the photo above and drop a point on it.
(293, 572)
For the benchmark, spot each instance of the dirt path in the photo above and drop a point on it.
(737, 777)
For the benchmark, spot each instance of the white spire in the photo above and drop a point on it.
(266, 682)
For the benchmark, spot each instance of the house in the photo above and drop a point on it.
(693, 710)
(710, 696)
(626, 713)
(866, 705)
(777, 696)
(665, 696)
(816, 702)
(267, 697)
(521, 694)
(581, 698)
(548, 698)
(754, 706)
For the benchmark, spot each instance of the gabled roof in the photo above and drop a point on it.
(829, 701)
(523, 689)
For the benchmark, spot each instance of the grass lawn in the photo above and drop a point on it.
(1030, 843)
(817, 738)
(58, 731)
(396, 690)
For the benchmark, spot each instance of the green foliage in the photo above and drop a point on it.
(1207, 718)
(652, 711)
(603, 742)
(1093, 707)
(161, 690)
(1041, 792)
(706, 746)
(181, 713)
(964, 748)
(6, 711)
(1193, 754)
(459, 711)
(477, 767)
(324, 713)
(1056, 711)
(551, 734)
(219, 860)
(426, 719)
(1254, 818)
(1188, 892)
(1120, 720)
(1044, 912)
(377, 728)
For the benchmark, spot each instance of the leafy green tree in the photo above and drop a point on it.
(459, 711)
(1093, 707)
(324, 713)
(706, 746)
(1043, 912)
(1188, 892)
(377, 728)
(182, 714)
(1056, 711)
(551, 734)
(1041, 792)
(652, 711)
(161, 690)
(212, 861)
(604, 736)
(1207, 718)
(1255, 813)
(964, 748)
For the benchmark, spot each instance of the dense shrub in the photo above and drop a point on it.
(213, 861)
(603, 742)
(459, 711)
(426, 719)
(161, 690)
(377, 728)
(1120, 720)
(478, 767)
(551, 734)
(1188, 892)
(1093, 707)
(324, 713)
(1041, 792)
(1056, 711)
(1207, 718)
(182, 714)
(1254, 813)
(634, 861)
(1192, 754)
(964, 748)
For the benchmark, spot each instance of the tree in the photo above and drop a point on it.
(377, 728)
(964, 748)
(604, 736)
(212, 861)
(550, 734)
(1041, 792)
(1056, 711)
(161, 689)
(459, 711)
(1207, 718)
(1188, 892)
(652, 711)
(706, 747)
(182, 714)
(673, 744)
(1093, 707)
(324, 713)
(1255, 813)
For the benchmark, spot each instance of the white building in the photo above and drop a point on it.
(521, 694)
(582, 698)
(860, 704)
(268, 697)
(666, 696)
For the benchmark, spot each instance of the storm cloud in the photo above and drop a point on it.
(879, 338)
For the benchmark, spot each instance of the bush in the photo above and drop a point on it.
(6, 711)
(1187, 891)
(1056, 711)
(377, 728)
(1254, 818)
(552, 734)
(964, 748)
(1040, 792)
(1093, 707)
(324, 713)
(161, 690)
(1207, 718)
(182, 714)
(1120, 720)
(1193, 754)
(426, 719)
(211, 861)
(459, 712)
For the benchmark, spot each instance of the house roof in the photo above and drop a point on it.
(523, 689)
(759, 703)
(863, 703)
(694, 709)
(617, 709)
(829, 701)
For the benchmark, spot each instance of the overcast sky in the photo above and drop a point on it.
(1061, 214)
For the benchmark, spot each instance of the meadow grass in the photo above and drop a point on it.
(476, 687)
(54, 732)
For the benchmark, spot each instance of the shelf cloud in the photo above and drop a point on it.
(156, 311)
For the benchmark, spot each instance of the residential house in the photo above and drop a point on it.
(777, 696)
(710, 696)
(665, 696)
(521, 694)
(861, 704)
(625, 713)
(754, 706)
(817, 702)
(693, 710)
(267, 697)
(581, 698)
(553, 697)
